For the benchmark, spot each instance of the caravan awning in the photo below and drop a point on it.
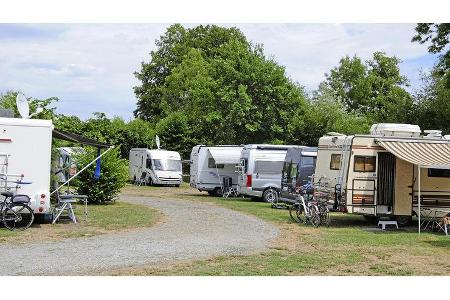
(73, 137)
(226, 155)
(423, 153)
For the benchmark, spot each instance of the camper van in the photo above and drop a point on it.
(155, 167)
(25, 154)
(260, 170)
(298, 168)
(376, 175)
(209, 165)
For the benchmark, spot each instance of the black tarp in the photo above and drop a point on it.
(73, 137)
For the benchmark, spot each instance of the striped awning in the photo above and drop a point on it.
(428, 154)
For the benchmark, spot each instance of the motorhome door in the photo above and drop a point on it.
(386, 182)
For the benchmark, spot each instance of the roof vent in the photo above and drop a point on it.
(433, 133)
(392, 129)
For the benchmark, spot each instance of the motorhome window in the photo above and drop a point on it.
(439, 173)
(335, 161)
(166, 165)
(212, 164)
(268, 167)
(308, 160)
(244, 165)
(364, 164)
(148, 163)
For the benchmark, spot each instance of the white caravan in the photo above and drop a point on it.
(210, 165)
(155, 167)
(260, 170)
(25, 154)
(378, 174)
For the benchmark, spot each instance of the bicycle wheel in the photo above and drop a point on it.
(325, 218)
(18, 217)
(296, 212)
(314, 216)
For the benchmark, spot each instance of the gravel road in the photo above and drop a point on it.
(190, 230)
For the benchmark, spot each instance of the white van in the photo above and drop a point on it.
(260, 170)
(156, 166)
(25, 154)
(210, 165)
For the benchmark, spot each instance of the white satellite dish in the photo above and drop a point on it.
(22, 105)
(157, 142)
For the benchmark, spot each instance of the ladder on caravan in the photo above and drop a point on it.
(5, 176)
(343, 165)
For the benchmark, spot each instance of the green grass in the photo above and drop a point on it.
(350, 246)
(102, 219)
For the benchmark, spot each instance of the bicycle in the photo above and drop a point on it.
(16, 214)
(305, 211)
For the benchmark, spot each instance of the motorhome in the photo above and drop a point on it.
(209, 165)
(382, 174)
(299, 166)
(25, 154)
(155, 167)
(260, 170)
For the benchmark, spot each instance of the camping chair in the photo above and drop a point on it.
(142, 180)
(65, 205)
(228, 189)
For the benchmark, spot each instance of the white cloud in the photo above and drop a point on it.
(90, 66)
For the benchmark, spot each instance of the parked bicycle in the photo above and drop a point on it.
(16, 214)
(305, 210)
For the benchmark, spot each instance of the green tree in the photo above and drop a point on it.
(8, 101)
(374, 88)
(220, 85)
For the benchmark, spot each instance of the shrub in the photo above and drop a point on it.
(113, 176)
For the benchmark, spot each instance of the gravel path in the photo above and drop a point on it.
(191, 230)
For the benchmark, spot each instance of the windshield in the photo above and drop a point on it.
(166, 165)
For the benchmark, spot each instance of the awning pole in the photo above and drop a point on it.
(98, 157)
(419, 196)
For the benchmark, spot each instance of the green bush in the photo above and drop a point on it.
(113, 176)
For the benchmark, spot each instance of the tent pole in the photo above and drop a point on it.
(418, 198)
(98, 157)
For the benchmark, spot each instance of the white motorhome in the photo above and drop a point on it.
(25, 154)
(260, 170)
(378, 174)
(155, 167)
(210, 165)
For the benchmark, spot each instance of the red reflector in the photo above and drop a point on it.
(41, 209)
(42, 196)
(249, 180)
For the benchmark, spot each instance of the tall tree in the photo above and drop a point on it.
(225, 87)
(375, 87)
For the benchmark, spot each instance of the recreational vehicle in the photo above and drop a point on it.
(260, 170)
(210, 165)
(155, 167)
(386, 172)
(25, 154)
(298, 168)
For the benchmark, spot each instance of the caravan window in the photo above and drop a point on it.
(268, 167)
(364, 163)
(212, 164)
(439, 173)
(335, 161)
(309, 161)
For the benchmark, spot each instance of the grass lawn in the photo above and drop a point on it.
(350, 246)
(101, 219)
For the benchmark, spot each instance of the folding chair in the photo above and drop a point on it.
(64, 204)
(228, 189)
(143, 179)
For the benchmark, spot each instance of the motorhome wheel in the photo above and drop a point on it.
(270, 195)
(218, 192)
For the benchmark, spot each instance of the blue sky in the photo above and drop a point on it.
(90, 66)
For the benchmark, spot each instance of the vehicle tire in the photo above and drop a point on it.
(211, 193)
(403, 220)
(314, 218)
(177, 185)
(300, 214)
(270, 195)
(218, 192)
(18, 217)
